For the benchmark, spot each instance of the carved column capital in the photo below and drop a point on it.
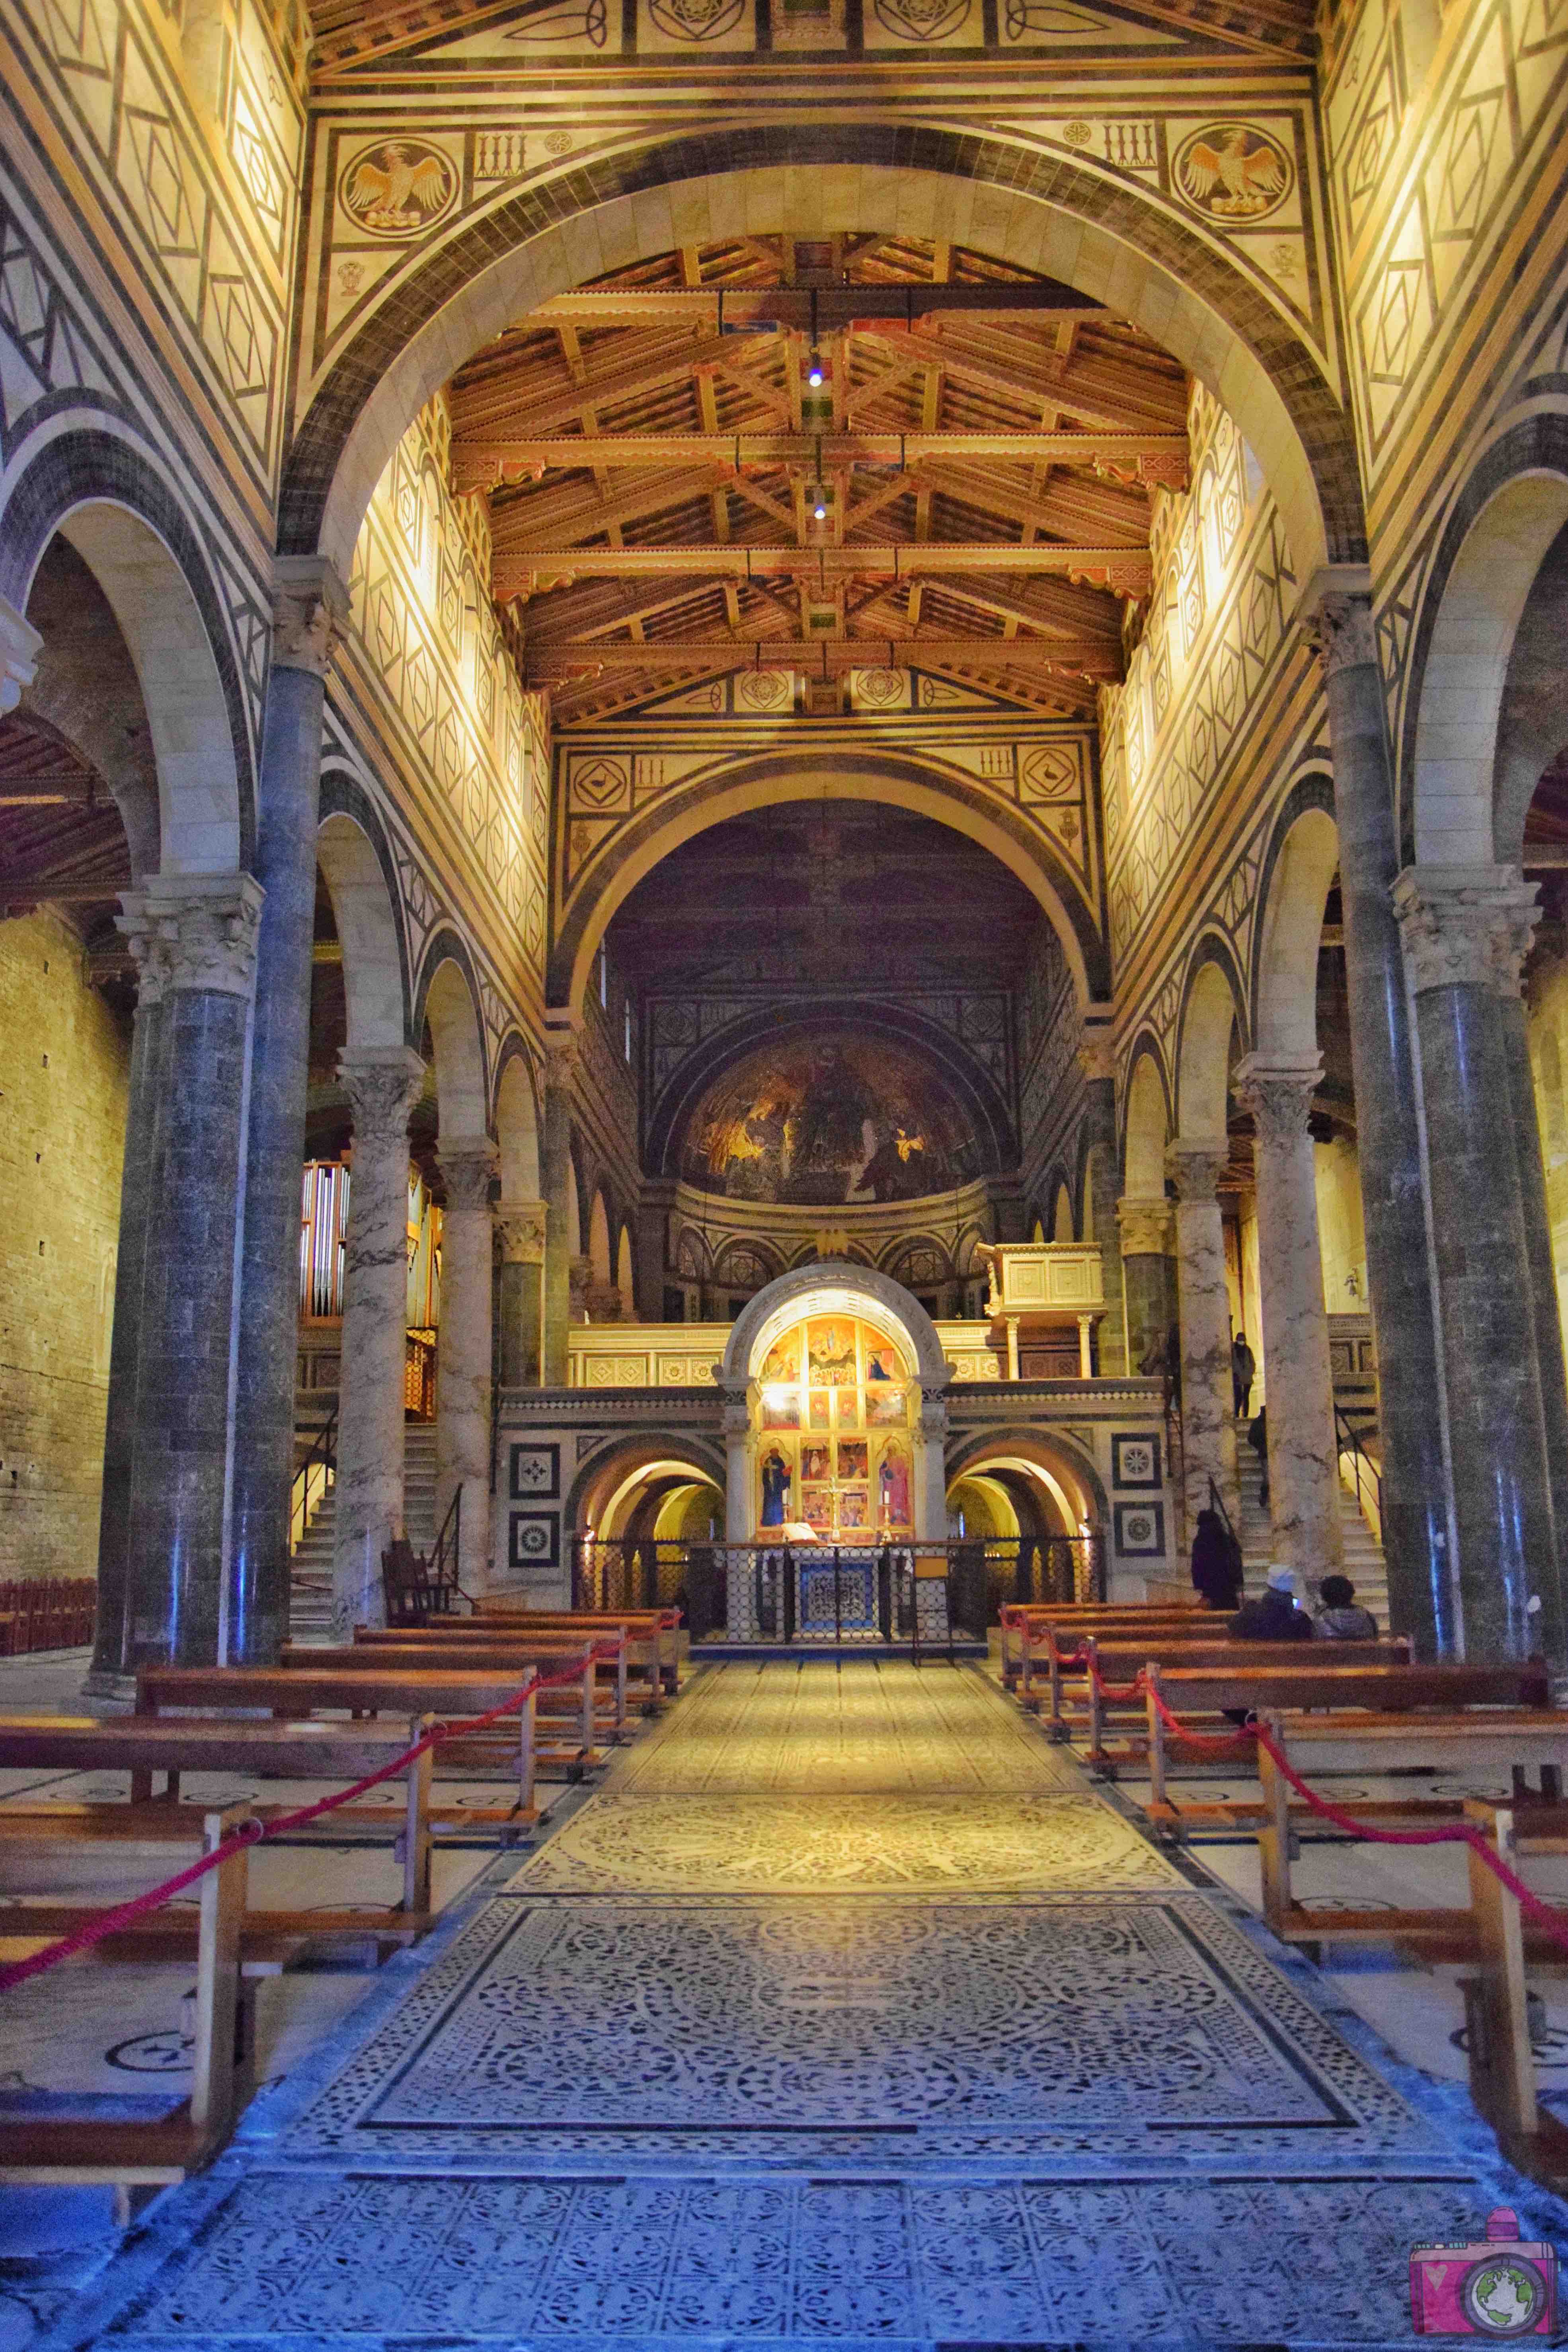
(735, 1415)
(1465, 926)
(383, 1084)
(562, 1059)
(468, 1162)
(520, 1226)
(1144, 1226)
(933, 1413)
(1337, 610)
(193, 933)
(1278, 1093)
(1096, 1058)
(309, 614)
(1196, 1168)
(20, 646)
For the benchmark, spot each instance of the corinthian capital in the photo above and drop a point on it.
(1465, 926)
(1278, 1093)
(1097, 1056)
(1337, 610)
(309, 614)
(383, 1083)
(520, 1226)
(1144, 1226)
(1196, 1168)
(194, 932)
(468, 1163)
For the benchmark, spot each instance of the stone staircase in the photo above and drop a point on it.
(1364, 1553)
(311, 1576)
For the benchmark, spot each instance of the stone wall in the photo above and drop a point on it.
(67, 1057)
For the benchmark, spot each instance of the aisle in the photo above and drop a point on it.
(845, 2009)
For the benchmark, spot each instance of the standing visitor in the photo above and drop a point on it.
(1243, 1373)
(1216, 1562)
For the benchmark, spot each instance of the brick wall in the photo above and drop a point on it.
(65, 1059)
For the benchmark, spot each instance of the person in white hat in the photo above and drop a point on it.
(1273, 1616)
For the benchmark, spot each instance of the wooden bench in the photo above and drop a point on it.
(1039, 1638)
(1025, 1623)
(656, 1631)
(1500, 1740)
(1200, 1690)
(1120, 1663)
(1497, 1999)
(469, 1643)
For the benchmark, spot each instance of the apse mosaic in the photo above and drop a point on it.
(833, 1452)
(829, 1120)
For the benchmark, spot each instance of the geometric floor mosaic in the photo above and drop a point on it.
(716, 1845)
(598, 2263)
(843, 2013)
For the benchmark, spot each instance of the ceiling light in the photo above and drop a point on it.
(816, 373)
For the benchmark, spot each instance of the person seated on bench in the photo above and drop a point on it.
(1273, 1616)
(1339, 1617)
(1216, 1562)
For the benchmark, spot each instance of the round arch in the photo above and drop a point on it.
(373, 965)
(517, 1122)
(832, 1287)
(1212, 1004)
(616, 1466)
(682, 811)
(1147, 1124)
(1061, 1212)
(980, 1097)
(1509, 511)
(1065, 1466)
(126, 524)
(1531, 725)
(1297, 872)
(448, 999)
(599, 1264)
(1051, 212)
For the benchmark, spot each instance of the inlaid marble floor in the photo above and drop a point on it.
(846, 2010)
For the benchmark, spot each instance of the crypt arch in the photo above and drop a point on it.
(1500, 534)
(1063, 1469)
(742, 785)
(1056, 216)
(102, 495)
(1212, 1006)
(611, 1477)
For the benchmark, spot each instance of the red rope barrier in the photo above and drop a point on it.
(1216, 1743)
(110, 1923)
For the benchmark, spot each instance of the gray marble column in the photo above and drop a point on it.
(464, 1358)
(1097, 1060)
(560, 1071)
(520, 1226)
(109, 1676)
(199, 930)
(1303, 1458)
(383, 1085)
(1208, 1409)
(309, 605)
(1459, 925)
(1547, 1327)
(1422, 1589)
(1143, 1227)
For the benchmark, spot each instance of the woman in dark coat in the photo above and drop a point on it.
(1216, 1570)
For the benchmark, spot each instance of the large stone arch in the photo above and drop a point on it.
(1298, 868)
(1067, 1465)
(1051, 214)
(1147, 1123)
(130, 528)
(1214, 999)
(374, 961)
(864, 1291)
(765, 782)
(448, 997)
(977, 1091)
(519, 1129)
(1513, 508)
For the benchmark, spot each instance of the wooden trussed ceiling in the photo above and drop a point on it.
(987, 474)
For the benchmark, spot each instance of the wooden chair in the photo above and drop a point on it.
(415, 1592)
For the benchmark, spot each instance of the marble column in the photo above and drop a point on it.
(1303, 1457)
(521, 1227)
(930, 1497)
(1098, 1062)
(560, 1071)
(1547, 1327)
(742, 1498)
(310, 606)
(109, 1676)
(464, 1360)
(1208, 1410)
(383, 1085)
(199, 930)
(1422, 1592)
(1144, 1228)
(1459, 925)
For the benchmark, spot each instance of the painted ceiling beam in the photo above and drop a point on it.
(826, 655)
(823, 309)
(1125, 570)
(480, 461)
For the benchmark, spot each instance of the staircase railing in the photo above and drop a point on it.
(1217, 1503)
(318, 1471)
(1365, 1472)
(447, 1550)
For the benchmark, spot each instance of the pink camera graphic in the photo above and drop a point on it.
(1499, 2287)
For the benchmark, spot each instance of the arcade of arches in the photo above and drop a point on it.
(895, 666)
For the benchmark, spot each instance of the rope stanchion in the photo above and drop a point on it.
(125, 1915)
(1213, 1743)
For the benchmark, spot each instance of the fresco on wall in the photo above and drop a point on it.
(828, 1120)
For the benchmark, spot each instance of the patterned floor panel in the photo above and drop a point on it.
(731, 1844)
(848, 2032)
(587, 2262)
(870, 1728)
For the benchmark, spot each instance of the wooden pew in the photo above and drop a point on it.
(364, 1687)
(1119, 1664)
(1025, 1622)
(468, 1643)
(1200, 1690)
(1043, 1637)
(1497, 2002)
(1501, 1741)
(656, 1630)
(590, 1712)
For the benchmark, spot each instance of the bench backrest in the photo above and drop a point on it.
(1311, 1683)
(1120, 1660)
(409, 1689)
